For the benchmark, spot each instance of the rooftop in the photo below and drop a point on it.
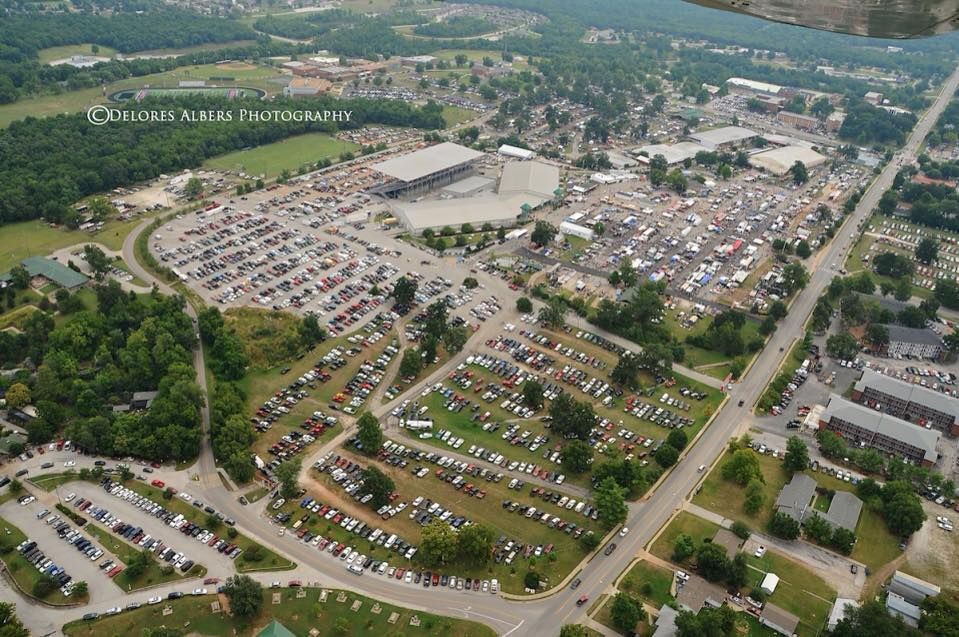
(427, 161)
(673, 153)
(884, 424)
(912, 588)
(724, 135)
(795, 499)
(754, 85)
(531, 177)
(729, 541)
(275, 629)
(52, 270)
(907, 391)
(775, 615)
(920, 336)
(838, 612)
(485, 207)
(778, 161)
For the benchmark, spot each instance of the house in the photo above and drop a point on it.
(779, 620)
(914, 343)
(839, 610)
(911, 588)
(897, 606)
(795, 499)
(729, 541)
(142, 399)
(275, 629)
(666, 622)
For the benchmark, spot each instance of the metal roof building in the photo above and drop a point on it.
(779, 620)
(427, 168)
(530, 178)
(910, 341)
(839, 609)
(913, 403)
(778, 161)
(52, 271)
(673, 153)
(515, 151)
(724, 136)
(898, 606)
(858, 424)
(912, 588)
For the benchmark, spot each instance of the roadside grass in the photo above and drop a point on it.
(693, 526)
(125, 552)
(800, 591)
(268, 560)
(649, 582)
(53, 53)
(298, 614)
(855, 262)
(792, 361)
(568, 552)
(455, 115)
(289, 154)
(697, 356)
(50, 481)
(23, 572)
(255, 494)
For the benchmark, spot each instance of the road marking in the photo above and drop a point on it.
(522, 621)
(467, 611)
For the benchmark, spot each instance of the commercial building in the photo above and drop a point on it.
(468, 187)
(913, 403)
(533, 178)
(778, 161)
(834, 121)
(752, 87)
(897, 606)
(864, 427)
(914, 343)
(514, 151)
(798, 120)
(672, 153)
(413, 60)
(306, 87)
(426, 169)
(49, 270)
(571, 229)
(771, 104)
(779, 620)
(912, 588)
(723, 138)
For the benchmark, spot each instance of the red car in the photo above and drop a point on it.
(159, 484)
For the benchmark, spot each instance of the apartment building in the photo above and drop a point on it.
(912, 403)
(860, 426)
(798, 120)
(914, 343)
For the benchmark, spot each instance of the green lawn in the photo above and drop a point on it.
(649, 582)
(693, 526)
(298, 614)
(23, 571)
(268, 561)
(454, 115)
(270, 337)
(696, 356)
(50, 481)
(800, 591)
(271, 159)
(61, 52)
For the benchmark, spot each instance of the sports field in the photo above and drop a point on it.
(271, 159)
(62, 52)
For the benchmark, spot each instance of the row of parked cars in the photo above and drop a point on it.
(32, 553)
(176, 521)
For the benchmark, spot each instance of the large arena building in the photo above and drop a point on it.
(426, 169)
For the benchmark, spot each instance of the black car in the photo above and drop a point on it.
(575, 584)
(610, 549)
(175, 595)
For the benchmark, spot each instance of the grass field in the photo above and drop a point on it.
(24, 572)
(800, 591)
(697, 356)
(298, 614)
(649, 582)
(61, 52)
(693, 526)
(269, 561)
(50, 481)
(270, 338)
(271, 159)
(454, 115)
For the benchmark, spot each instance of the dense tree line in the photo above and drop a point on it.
(48, 164)
(98, 358)
(865, 124)
(232, 435)
(301, 26)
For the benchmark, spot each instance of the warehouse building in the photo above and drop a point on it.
(751, 87)
(723, 138)
(672, 153)
(912, 403)
(778, 161)
(49, 270)
(861, 426)
(426, 169)
(306, 87)
(914, 342)
(516, 152)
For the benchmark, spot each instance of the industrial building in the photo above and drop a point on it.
(796, 501)
(912, 403)
(798, 120)
(723, 138)
(672, 153)
(426, 169)
(913, 342)
(306, 87)
(516, 152)
(861, 426)
(751, 87)
(905, 595)
(778, 161)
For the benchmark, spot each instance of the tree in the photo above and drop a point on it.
(709, 622)
(98, 261)
(610, 499)
(577, 456)
(754, 497)
(870, 620)
(139, 563)
(475, 544)
(742, 467)
(369, 433)
(310, 331)
(43, 586)
(245, 595)
(818, 529)
(740, 530)
(927, 250)
(533, 394)
(470, 283)
(411, 364)
(803, 250)
(947, 293)
(799, 173)
(657, 357)
(843, 540)
(377, 484)
(438, 543)
(287, 473)
(783, 526)
(524, 305)
(683, 547)
(797, 455)
(666, 456)
(568, 630)
(940, 617)
(19, 277)
(842, 346)
(877, 335)
(404, 291)
(626, 612)
(677, 439)
(626, 372)
(571, 418)
(901, 508)
(193, 188)
(553, 314)
(454, 338)
(795, 277)
(711, 561)
(10, 624)
(543, 233)
(888, 202)
(79, 588)
(18, 395)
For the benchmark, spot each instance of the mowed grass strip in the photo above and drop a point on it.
(648, 582)
(270, 160)
(268, 561)
(299, 615)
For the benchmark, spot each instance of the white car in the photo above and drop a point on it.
(155, 600)
(70, 463)
(624, 531)
(69, 497)
(760, 551)
(199, 591)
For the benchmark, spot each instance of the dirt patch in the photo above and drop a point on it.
(932, 553)
(235, 66)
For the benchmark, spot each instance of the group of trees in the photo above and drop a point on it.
(231, 433)
(98, 358)
(47, 184)
(441, 544)
(228, 357)
(711, 560)
(867, 124)
(897, 502)
(725, 334)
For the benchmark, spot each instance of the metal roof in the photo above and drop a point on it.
(427, 161)
(52, 270)
(922, 336)
(912, 588)
(723, 135)
(533, 177)
(778, 161)
(903, 608)
(880, 423)
(908, 392)
(672, 153)
(476, 210)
